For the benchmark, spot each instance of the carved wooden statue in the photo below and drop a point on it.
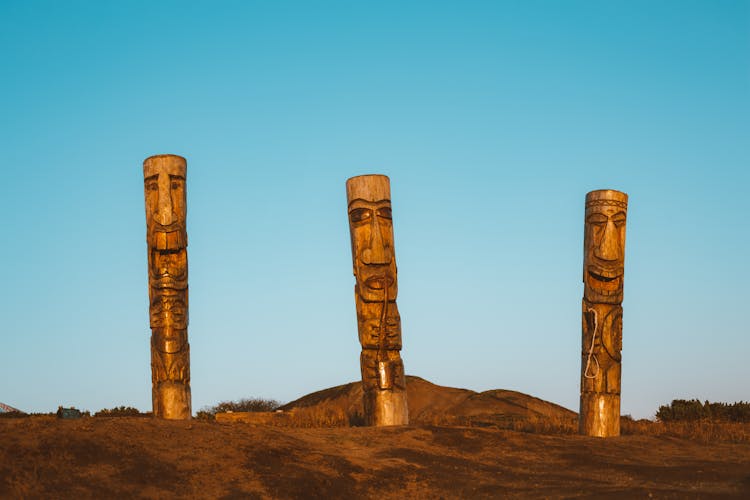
(603, 269)
(378, 320)
(166, 236)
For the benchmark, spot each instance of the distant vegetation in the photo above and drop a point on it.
(121, 411)
(13, 414)
(687, 419)
(71, 412)
(681, 410)
(252, 404)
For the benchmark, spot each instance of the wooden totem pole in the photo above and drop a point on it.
(603, 270)
(166, 237)
(378, 320)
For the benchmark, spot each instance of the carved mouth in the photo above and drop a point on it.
(605, 281)
(168, 269)
(601, 277)
(170, 345)
(168, 282)
(378, 282)
(168, 240)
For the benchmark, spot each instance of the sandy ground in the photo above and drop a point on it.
(42, 457)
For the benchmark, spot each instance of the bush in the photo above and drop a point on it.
(120, 411)
(252, 405)
(13, 414)
(205, 414)
(681, 410)
(71, 413)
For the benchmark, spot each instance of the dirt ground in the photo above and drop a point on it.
(42, 457)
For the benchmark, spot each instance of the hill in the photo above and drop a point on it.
(434, 404)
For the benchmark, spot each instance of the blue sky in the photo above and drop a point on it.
(492, 119)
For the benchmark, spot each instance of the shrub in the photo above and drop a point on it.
(71, 413)
(13, 414)
(252, 405)
(119, 411)
(205, 414)
(681, 410)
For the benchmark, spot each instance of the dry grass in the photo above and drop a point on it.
(543, 425)
(701, 431)
(314, 416)
(305, 418)
(46, 457)
(704, 431)
(533, 424)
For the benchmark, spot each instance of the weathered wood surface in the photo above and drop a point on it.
(603, 272)
(166, 236)
(375, 291)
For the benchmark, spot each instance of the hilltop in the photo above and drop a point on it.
(434, 404)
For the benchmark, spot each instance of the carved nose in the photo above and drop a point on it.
(164, 214)
(375, 252)
(609, 248)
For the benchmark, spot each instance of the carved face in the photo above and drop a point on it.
(169, 310)
(370, 325)
(604, 250)
(164, 184)
(168, 269)
(169, 340)
(371, 228)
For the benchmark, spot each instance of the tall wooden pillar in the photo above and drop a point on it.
(166, 237)
(375, 291)
(603, 271)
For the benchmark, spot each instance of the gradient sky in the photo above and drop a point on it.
(492, 119)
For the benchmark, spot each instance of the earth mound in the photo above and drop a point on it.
(435, 404)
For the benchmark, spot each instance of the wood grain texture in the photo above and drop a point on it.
(166, 237)
(375, 291)
(603, 272)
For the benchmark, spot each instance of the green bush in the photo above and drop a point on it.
(119, 411)
(71, 412)
(681, 410)
(252, 404)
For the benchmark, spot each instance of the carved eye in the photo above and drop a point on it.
(360, 215)
(175, 185)
(597, 219)
(152, 186)
(385, 213)
(619, 221)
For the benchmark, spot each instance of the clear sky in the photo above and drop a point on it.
(492, 119)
